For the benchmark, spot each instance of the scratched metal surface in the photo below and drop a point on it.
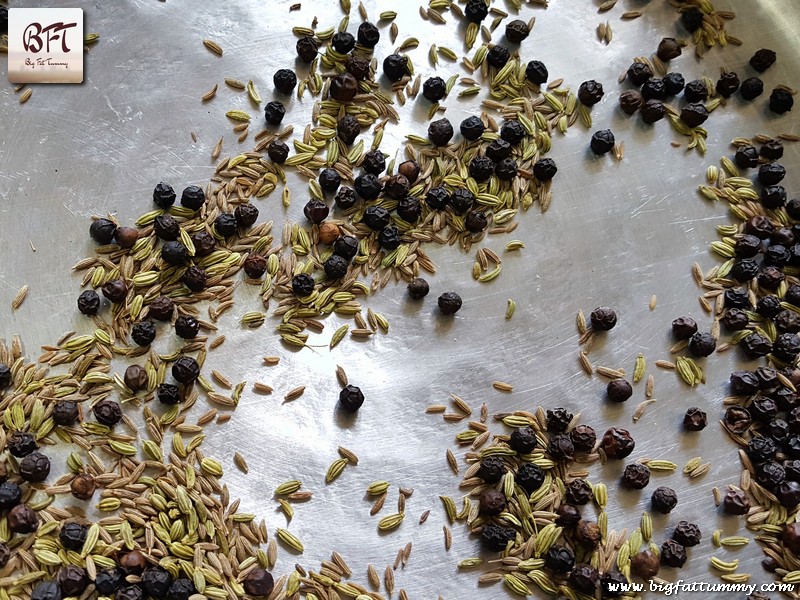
(616, 234)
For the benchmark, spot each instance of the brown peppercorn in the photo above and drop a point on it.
(126, 236)
(136, 378)
(22, 519)
(619, 390)
(695, 419)
(735, 502)
(358, 67)
(115, 291)
(617, 443)
(161, 309)
(344, 87)
(132, 562)
(791, 538)
(83, 486)
(255, 266)
(603, 318)
(492, 502)
(645, 564)
(668, 48)
(583, 438)
(410, 170)
(258, 582)
(588, 533)
(630, 101)
(636, 476)
(328, 232)
(107, 412)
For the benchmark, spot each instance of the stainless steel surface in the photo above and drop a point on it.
(617, 233)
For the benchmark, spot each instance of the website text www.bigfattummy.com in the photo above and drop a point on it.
(680, 587)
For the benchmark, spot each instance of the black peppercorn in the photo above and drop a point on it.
(612, 583)
(335, 267)
(529, 477)
(545, 169)
(495, 538)
(225, 225)
(771, 174)
(396, 186)
(602, 142)
(368, 35)
(193, 197)
(481, 168)
(476, 221)
(284, 80)
(476, 10)
(351, 398)
(440, 132)
(115, 291)
(516, 31)
(746, 157)
(10, 495)
(770, 475)
(344, 246)
(780, 101)
(617, 443)
(357, 67)
(389, 238)
(786, 347)
(316, 211)
(343, 42)
(578, 491)
(168, 393)
(735, 319)
(187, 327)
(673, 554)
(737, 419)
(506, 169)
(694, 114)
(368, 186)
(692, 19)
(727, 84)
(583, 438)
(772, 150)
(461, 200)
(258, 582)
(735, 502)
(143, 333)
(752, 88)
(449, 303)
(181, 589)
(348, 129)
(773, 196)
(491, 502)
(498, 149)
(663, 500)
(307, 48)
(195, 279)
(536, 72)
(65, 413)
(492, 469)
(437, 198)
(374, 162)
(102, 231)
(762, 60)
(645, 564)
(568, 515)
(302, 285)
(278, 152)
(185, 370)
(674, 83)
(21, 444)
(156, 582)
(108, 580)
(135, 378)
(166, 228)
(763, 408)
(654, 89)
(163, 196)
(73, 535)
(603, 318)
(409, 209)
(255, 266)
(590, 92)
(107, 412)
(523, 440)
(174, 254)
(756, 345)
(88, 302)
(653, 111)
(747, 246)
(683, 328)
(638, 73)
(588, 533)
(695, 419)
(161, 309)
(434, 89)
(395, 67)
(22, 518)
(759, 226)
(584, 579)
(129, 592)
(418, 288)
(767, 376)
(561, 447)
(695, 91)
(46, 590)
(737, 298)
(630, 101)
(5, 376)
(498, 56)
(344, 87)
(618, 390)
(792, 295)
(761, 449)
(345, 198)
(668, 48)
(376, 218)
(636, 476)
(702, 344)
(557, 420)
(788, 493)
(72, 579)
(512, 132)
(559, 559)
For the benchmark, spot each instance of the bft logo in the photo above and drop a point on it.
(45, 45)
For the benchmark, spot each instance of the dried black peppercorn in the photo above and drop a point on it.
(751, 88)
(663, 500)
(181, 589)
(602, 142)
(108, 580)
(763, 408)
(65, 413)
(770, 475)
(530, 477)
(174, 254)
(588, 533)
(737, 419)
(788, 493)
(5, 376)
(498, 149)
(545, 169)
(225, 225)
(523, 440)
(568, 515)
(193, 197)
(491, 502)
(21, 443)
(654, 89)
(418, 288)
(756, 345)
(396, 186)
(695, 419)
(759, 226)
(590, 92)
(335, 267)
(440, 132)
(161, 309)
(115, 291)
(185, 370)
(102, 231)
(773, 196)
(476, 11)
(163, 196)
(702, 344)
(376, 218)
(302, 285)
(284, 80)
(255, 266)
(351, 398)
(166, 228)
(603, 318)
(156, 582)
(617, 443)
(498, 56)
(780, 101)
(10, 495)
(88, 302)
(495, 538)
(536, 72)
(683, 328)
(630, 101)
(368, 35)
(195, 278)
(343, 87)
(72, 579)
(561, 447)
(771, 150)
(516, 31)
(22, 518)
(694, 114)
(476, 221)
(771, 174)
(368, 186)
(316, 211)
(492, 469)
(389, 238)
(612, 583)
(762, 60)
(692, 19)
(668, 48)
(345, 198)
(46, 590)
(583, 438)
(673, 554)
(143, 333)
(735, 319)
(107, 412)
(512, 132)
(786, 347)
(187, 327)
(168, 393)
(395, 67)
(638, 73)
(686, 534)
(618, 390)
(449, 303)
(481, 168)
(578, 491)
(735, 502)
(344, 246)
(278, 152)
(695, 91)
(727, 84)
(584, 579)
(746, 157)
(653, 111)
(674, 83)
(73, 535)
(348, 129)
(761, 449)
(307, 48)
(135, 378)
(461, 200)
(409, 209)
(258, 582)
(557, 419)
(437, 198)
(343, 42)
(636, 476)
(559, 559)
(767, 376)
(434, 89)
(374, 162)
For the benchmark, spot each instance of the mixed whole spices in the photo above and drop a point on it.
(151, 516)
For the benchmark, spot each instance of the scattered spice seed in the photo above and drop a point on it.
(19, 298)
(502, 386)
(424, 517)
(26, 95)
(240, 462)
(213, 46)
(294, 394)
